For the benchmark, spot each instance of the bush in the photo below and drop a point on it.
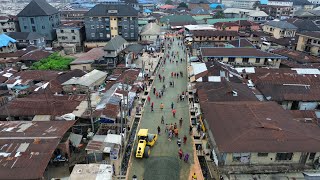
(53, 62)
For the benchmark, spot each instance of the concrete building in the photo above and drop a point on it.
(309, 42)
(150, 32)
(73, 15)
(279, 29)
(104, 22)
(8, 24)
(70, 33)
(7, 44)
(245, 4)
(84, 61)
(278, 12)
(25, 39)
(241, 56)
(40, 17)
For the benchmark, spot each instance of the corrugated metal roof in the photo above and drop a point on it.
(87, 79)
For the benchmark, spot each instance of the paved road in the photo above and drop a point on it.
(164, 158)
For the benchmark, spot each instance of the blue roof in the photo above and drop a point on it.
(5, 40)
(263, 1)
(147, 11)
(215, 5)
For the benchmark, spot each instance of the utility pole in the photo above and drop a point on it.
(90, 108)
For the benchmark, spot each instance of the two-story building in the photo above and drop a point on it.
(199, 3)
(9, 23)
(309, 42)
(113, 53)
(104, 22)
(280, 29)
(25, 39)
(70, 33)
(40, 17)
(7, 44)
(227, 26)
(241, 56)
(214, 36)
(278, 12)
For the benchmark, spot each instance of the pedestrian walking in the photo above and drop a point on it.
(190, 129)
(174, 113)
(162, 119)
(180, 153)
(186, 158)
(175, 126)
(171, 74)
(152, 107)
(159, 129)
(148, 99)
(176, 132)
(172, 105)
(154, 90)
(184, 139)
(157, 94)
(180, 122)
(179, 142)
(167, 128)
(194, 176)
(170, 135)
(161, 106)
(163, 79)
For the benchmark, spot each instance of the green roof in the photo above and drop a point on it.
(201, 17)
(177, 18)
(213, 21)
(142, 22)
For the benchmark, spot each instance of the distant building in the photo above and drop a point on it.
(245, 4)
(9, 24)
(278, 12)
(40, 17)
(199, 3)
(74, 15)
(104, 22)
(25, 39)
(70, 33)
(7, 44)
(150, 32)
(84, 61)
(309, 42)
(280, 29)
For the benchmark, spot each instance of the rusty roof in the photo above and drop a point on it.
(297, 56)
(286, 84)
(209, 33)
(26, 147)
(250, 127)
(18, 53)
(224, 91)
(35, 55)
(237, 52)
(42, 105)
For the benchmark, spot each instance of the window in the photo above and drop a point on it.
(109, 52)
(84, 68)
(245, 60)
(125, 27)
(131, 26)
(108, 35)
(32, 20)
(31, 42)
(115, 28)
(257, 60)
(107, 28)
(99, 19)
(132, 34)
(73, 37)
(314, 41)
(241, 157)
(92, 26)
(262, 154)
(125, 34)
(33, 29)
(119, 19)
(72, 31)
(101, 26)
(91, 18)
(115, 19)
(61, 31)
(312, 156)
(111, 28)
(101, 35)
(284, 156)
(43, 27)
(231, 59)
(93, 35)
(98, 26)
(107, 19)
(25, 27)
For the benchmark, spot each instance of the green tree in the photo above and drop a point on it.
(182, 5)
(53, 62)
(169, 2)
(218, 15)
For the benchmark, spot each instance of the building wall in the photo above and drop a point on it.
(204, 6)
(149, 37)
(70, 35)
(8, 26)
(252, 61)
(103, 28)
(280, 3)
(278, 33)
(211, 38)
(309, 44)
(84, 67)
(229, 28)
(43, 25)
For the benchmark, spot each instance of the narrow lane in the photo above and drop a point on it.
(164, 162)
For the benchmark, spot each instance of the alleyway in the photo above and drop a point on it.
(164, 162)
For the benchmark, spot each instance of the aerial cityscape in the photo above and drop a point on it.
(160, 90)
